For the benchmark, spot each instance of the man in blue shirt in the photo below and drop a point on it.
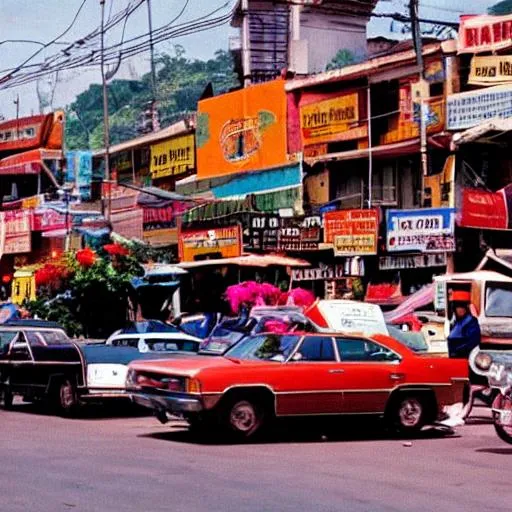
(465, 332)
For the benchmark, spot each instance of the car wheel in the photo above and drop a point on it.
(408, 414)
(67, 399)
(7, 399)
(243, 418)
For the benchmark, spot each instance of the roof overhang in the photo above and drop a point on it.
(483, 132)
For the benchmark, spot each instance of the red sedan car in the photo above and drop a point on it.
(275, 375)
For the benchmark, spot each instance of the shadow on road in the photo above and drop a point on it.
(496, 451)
(289, 432)
(112, 410)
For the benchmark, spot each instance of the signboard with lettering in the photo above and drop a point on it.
(468, 109)
(18, 225)
(328, 120)
(491, 70)
(484, 33)
(424, 230)
(274, 233)
(174, 157)
(350, 268)
(352, 232)
(410, 262)
(200, 244)
(46, 219)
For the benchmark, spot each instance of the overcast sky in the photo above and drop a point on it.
(42, 20)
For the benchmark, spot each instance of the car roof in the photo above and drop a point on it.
(38, 324)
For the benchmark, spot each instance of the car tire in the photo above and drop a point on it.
(66, 398)
(243, 418)
(408, 414)
(7, 399)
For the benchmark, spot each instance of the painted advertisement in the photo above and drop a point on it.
(173, 157)
(490, 70)
(18, 225)
(403, 262)
(352, 232)
(200, 244)
(424, 230)
(244, 130)
(484, 33)
(331, 120)
(468, 109)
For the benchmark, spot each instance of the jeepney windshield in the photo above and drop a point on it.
(498, 300)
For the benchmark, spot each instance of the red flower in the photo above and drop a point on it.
(116, 250)
(86, 257)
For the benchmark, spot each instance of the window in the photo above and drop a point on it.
(384, 185)
(125, 342)
(54, 337)
(6, 338)
(316, 348)
(268, 347)
(363, 350)
(34, 339)
(498, 301)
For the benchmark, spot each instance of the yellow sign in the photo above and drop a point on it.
(210, 243)
(327, 120)
(173, 157)
(491, 70)
(23, 287)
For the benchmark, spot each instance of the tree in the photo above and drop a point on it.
(503, 7)
(180, 83)
(342, 59)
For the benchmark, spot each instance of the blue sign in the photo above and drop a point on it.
(428, 230)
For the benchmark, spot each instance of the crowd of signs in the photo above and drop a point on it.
(414, 238)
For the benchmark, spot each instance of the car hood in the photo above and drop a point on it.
(97, 354)
(188, 367)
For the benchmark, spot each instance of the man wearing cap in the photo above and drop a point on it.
(465, 332)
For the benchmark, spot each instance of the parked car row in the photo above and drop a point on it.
(247, 372)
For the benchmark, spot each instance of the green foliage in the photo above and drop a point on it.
(180, 83)
(342, 59)
(503, 7)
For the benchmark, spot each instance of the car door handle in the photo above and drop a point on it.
(337, 371)
(397, 376)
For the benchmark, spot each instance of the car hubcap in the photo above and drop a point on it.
(410, 413)
(66, 395)
(243, 417)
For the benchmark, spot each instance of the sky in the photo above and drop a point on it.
(42, 20)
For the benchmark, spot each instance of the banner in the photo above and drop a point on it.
(412, 262)
(491, 70)
(468, 109)
(329, 272)
(327, 120)
(484, 33)
(79, 171)
(423, 230)
(173, 157)
(199, 244)
(242, 131)
(483, 209)
(46, 219)
(352, 232)
(18, 225)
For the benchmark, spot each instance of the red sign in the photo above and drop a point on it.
(484, 33)
(128, 223)
(482, 209)
(47, 220)
(352, 231)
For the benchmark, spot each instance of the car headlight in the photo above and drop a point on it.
(106, 375)
(483, 361)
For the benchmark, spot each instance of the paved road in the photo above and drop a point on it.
(132, 463)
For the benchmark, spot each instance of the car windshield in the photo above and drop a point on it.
(413, 340)
(498, 300)
(219, 344)
(267, 347)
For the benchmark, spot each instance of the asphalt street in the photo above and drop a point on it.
(125, 462)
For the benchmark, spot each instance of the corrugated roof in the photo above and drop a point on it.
(368, 67)
(180, 128)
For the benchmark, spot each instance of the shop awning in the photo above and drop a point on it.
(483, 131)
(421, 298)
(385, 151)
(30, 162)
(249, 260)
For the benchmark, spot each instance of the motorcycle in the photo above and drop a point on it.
(496, 366)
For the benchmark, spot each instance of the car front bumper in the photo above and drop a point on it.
(170, 403)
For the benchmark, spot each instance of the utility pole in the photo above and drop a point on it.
(106, 135)
(246, 44)
(154, 113)
(17, 103)
(418, 47)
